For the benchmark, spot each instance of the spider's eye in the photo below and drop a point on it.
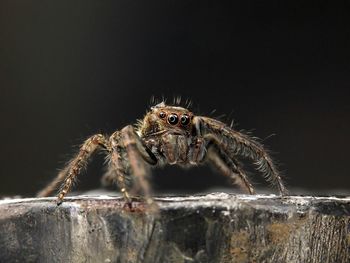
(185, 120)
(173, 119)
(162, 114)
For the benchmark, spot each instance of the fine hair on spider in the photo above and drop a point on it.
(169, 135)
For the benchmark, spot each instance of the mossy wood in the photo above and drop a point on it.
(210, 228)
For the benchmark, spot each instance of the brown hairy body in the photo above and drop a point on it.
(168, 135)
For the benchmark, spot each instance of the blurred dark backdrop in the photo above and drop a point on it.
(69, 69)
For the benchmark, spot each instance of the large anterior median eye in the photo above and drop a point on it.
(173, 119)
(185, 119)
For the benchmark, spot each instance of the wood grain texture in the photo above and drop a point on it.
(203, 229)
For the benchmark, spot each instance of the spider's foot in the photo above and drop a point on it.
(59, 199)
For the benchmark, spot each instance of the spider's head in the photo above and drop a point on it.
(164, 118)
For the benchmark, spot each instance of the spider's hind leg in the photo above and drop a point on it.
(235, 143)
(71, 171)
(231, 168)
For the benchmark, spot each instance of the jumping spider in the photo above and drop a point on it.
(168, 135)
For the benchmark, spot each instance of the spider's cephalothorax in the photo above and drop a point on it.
(169, 135)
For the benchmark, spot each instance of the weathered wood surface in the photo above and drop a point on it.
(211, 228)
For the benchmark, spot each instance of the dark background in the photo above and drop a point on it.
(69, 69)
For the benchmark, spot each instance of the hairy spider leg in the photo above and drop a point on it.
(52, 186)
(139, 160)
(71, 171)
(235, 143)
(109, 177)
(118, 166)
(230, 168)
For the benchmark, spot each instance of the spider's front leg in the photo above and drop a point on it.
(118, 171)
(129, 152)
(71, 171)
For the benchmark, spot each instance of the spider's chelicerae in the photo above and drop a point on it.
(169, 135)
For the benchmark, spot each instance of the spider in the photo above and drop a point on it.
(168, 135)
